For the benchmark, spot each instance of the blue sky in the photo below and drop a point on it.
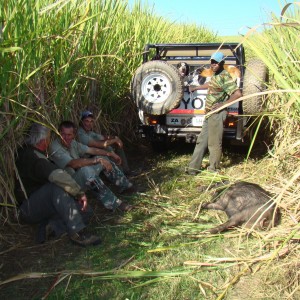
(229, 17)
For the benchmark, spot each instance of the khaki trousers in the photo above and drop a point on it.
(209, 138)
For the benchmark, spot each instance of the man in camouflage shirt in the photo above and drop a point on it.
(70, 155)
(222, 90)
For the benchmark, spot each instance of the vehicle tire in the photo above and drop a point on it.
(156, 87)
(255, 79)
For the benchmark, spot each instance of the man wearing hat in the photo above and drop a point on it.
(88, 137)
(222, 89)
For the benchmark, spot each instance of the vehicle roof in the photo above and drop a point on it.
(195, 44)
(197, 51)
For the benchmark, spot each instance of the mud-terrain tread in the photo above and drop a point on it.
(170, 74)
(254, 81)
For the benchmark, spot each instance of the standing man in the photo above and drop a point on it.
(222, 89)
(70, 155)
(87, 136)
(49, 194)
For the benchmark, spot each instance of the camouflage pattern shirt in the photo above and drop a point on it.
(221, 86)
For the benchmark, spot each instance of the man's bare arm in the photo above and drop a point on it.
(96, 144)
(83, 162)
(106, 143)
(193, 88)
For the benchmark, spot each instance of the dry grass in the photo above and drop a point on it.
(162, 239)
(169, 255)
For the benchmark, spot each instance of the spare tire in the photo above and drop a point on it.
(156, 87)
(255, 79)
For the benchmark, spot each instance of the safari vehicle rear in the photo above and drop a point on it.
(168, 111)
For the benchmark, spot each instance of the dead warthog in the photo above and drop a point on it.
(245, 203)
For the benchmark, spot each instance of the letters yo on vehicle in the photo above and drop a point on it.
(166, 108)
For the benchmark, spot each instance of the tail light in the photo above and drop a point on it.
(230, 122)
(153, 120)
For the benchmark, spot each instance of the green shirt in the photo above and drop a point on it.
(85, 137)
(221, 86)
(62, 155)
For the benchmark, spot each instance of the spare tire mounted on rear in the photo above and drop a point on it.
(156, 87)
(255, 81)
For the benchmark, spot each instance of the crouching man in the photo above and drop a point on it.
(52, 195)
(70, 155)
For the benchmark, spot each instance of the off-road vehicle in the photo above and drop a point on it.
(166, 108)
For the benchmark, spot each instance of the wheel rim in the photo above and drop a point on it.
(156, 88)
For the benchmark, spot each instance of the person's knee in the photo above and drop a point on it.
(85, 173)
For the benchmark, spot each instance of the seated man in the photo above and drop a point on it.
(48, 193)
(70, 155)
(88, 137)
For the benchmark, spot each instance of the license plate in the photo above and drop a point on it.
(194, 121)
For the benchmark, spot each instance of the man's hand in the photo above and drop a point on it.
(217, 105)
(191, 88)
(117, 159)
(106, 164)
(82, 199)
(118, 142)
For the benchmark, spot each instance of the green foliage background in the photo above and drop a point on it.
(59, 57)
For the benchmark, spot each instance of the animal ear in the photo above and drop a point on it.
(264, 223)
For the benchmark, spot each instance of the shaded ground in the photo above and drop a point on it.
(19, 253)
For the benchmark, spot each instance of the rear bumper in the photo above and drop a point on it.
(154, 132)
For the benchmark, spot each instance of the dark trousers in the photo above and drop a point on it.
(50, 202)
